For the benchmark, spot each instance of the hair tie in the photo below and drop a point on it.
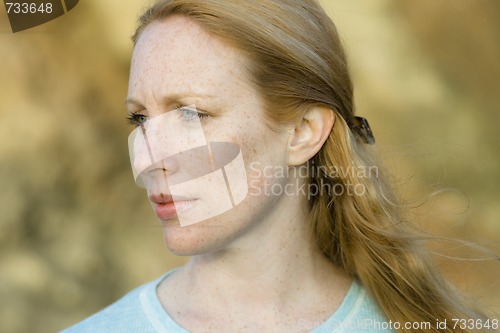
(362, 130)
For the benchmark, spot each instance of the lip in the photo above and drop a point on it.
(166, 209)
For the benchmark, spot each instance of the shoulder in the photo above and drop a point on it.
(128, 314)
(358, 313)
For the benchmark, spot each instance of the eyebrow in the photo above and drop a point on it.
(172, 98)
(132, 101)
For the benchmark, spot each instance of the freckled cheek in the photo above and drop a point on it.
(251, 147)
(254, 142)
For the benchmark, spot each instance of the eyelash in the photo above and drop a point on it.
(134, 119)
(137, 119)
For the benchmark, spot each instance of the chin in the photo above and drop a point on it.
(200, 238)
(216, 233)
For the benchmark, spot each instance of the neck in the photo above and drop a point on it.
(276, 263)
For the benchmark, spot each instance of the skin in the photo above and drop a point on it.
(253, 268)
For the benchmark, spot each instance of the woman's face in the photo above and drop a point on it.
(175, 65)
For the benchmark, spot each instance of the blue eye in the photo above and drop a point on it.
(136, 119)
(191, 114)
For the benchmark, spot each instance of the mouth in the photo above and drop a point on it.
(167, 207)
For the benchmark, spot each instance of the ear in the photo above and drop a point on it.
(310, 134)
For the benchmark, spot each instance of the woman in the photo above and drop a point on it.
(256, 166)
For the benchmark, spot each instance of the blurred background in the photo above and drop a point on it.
(76, 233)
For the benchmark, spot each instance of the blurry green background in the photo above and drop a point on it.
(76, 233)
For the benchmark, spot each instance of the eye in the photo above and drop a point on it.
(136, 119)
(191, 114)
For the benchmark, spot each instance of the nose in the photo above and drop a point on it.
(161, 169)
(148, 155)
(158, 175)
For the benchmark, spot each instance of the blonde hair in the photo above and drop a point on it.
(297, 61)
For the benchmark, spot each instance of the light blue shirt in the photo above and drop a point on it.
(141, 311)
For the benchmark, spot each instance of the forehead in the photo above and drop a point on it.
(177, 54)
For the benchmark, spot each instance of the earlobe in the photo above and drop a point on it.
(310, 134)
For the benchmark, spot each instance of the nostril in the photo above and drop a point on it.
(159, 170)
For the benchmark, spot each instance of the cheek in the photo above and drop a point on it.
(261, 148)
(259, 143)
